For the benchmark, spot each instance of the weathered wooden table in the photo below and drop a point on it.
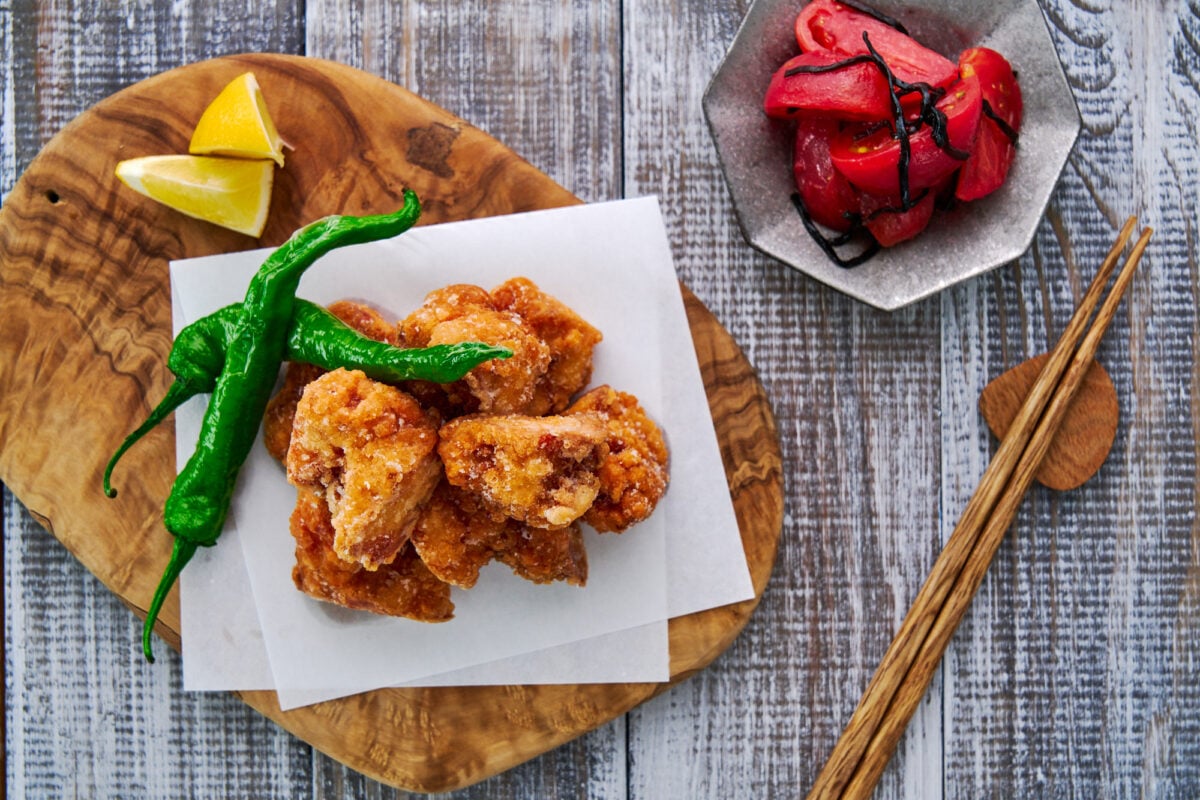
(1077, 670)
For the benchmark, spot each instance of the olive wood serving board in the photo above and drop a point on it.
(85, 327)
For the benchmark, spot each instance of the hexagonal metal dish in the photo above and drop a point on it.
(755, 151)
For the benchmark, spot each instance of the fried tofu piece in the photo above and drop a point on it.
(542, 471)
(403, 588)
(370, 449)
(570, 338)
(634, 471)
(456, 539)
(281, 410)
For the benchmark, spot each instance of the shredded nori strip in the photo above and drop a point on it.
(936, 118)
(899, 126)
(1005, 128)
(897, 209)
(929, 97)
(828, 245)
(814, 69)
(863, 8)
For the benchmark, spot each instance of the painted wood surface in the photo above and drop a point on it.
(1076, 672)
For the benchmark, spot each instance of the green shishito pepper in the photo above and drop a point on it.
(245, 350)
(314, 337)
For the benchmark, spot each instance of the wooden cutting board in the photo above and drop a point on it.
(85, 327)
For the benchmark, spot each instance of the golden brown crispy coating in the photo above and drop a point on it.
(545, 556)
(453, 539)
(281, 410)
(403, 588)
(539, 470)
(633, 474)
(571, 341)
(440, 305)
(366, 320)
(502, 385)
(371, 449)
(466, 313)
(456, 538)
(512, 484)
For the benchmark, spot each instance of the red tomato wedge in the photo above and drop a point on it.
(892, 227)
(856, 91)
(869, 156)
(828, 197)
(829, 25)
(985, 171)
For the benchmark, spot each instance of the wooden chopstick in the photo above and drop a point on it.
(869, 738)
(916, 681)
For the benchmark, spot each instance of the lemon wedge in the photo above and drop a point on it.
(238, 124)
(229, 192)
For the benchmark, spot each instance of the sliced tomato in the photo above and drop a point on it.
(869, 156)
(827, 196)
(987, 168)
(890, 226)
(829, 25)
(855, 91)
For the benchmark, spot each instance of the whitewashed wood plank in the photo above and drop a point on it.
(85, 716)
(855, 393)
(544, 78)
(1075, 673)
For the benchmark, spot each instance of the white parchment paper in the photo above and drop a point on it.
(610, 262)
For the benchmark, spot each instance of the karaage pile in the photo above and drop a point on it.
(406, 491)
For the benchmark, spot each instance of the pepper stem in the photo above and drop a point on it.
(179, 392)
(181, 554)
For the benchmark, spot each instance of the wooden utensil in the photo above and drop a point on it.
(902, 678)
(85, 329)
(1087, 431)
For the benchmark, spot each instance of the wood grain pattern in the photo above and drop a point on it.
(435, 739)
(1083, 441)
(1065, 675)
(1077, 672)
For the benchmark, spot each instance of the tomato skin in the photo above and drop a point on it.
(871, 159)
(987, 168)
(829, 25)
(892, 227)
(827, 196)
(856, 91)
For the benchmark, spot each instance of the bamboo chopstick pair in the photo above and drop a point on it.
(903, 676)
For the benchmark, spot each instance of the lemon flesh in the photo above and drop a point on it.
(238, 124)
(232, 193)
